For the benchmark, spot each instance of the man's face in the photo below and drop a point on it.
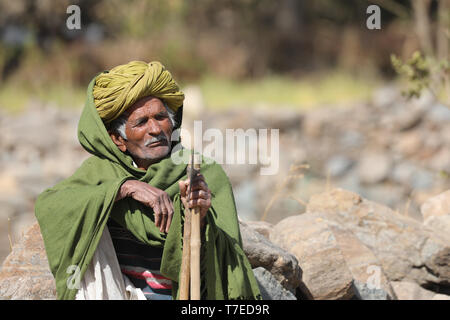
(148, 130)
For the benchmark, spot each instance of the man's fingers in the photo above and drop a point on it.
(158, 213)
(169, 208)
(164, 214)
(163, 222)
(169, 222)
(200, 194)
(183, 184)
(199, 185)
(199, 203)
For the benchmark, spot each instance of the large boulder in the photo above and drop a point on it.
(407, 290)
(406, 249)
(325, 272)
(25, 273)
(263, 253)
(436, 212)
(439, 223)
(369, 278)
(436, 206)
(262, 227)
(269, 286)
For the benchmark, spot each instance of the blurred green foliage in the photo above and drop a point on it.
(246, 46)
(416, 70)
(424, 73)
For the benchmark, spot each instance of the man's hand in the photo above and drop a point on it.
(200, 195)
(152, 197)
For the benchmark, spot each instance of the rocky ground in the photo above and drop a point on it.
(342, 247)
(357, 210)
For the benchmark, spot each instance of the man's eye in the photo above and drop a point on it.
(161, 117)
(140, 122)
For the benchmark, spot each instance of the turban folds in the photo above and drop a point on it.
(115, 91)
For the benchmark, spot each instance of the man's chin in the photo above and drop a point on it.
(157, 153)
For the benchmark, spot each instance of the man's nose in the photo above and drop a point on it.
(153, 127)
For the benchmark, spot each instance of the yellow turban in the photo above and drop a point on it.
(115, 91)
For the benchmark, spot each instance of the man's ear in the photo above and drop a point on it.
(118, 140)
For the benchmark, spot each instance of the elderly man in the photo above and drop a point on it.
(113, 230)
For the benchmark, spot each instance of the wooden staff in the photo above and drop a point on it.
(186, 257)
(195, 243)
(190, 263)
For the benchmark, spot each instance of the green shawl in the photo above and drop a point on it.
(73, 214)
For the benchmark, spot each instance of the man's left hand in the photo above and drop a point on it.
(199, 196)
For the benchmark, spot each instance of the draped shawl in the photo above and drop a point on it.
(73, 214)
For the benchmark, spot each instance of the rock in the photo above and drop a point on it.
(314, 123)
(436, 206)
(263, 253)
(406, 119)
(439, 223)
(385, 193)
(403, 172)
(8, 185)
(445, 134)
(374, 167)
(338, 165)
(325, 272)
(439, 113)
(409, 142)
(422, 180)
(5, 236)
(368, 276)
(413, 176)
(406, 249)
(269, 287)
(441, 159)
(436, 212)
(441, 297)
(281, 118)
(21, 223)
(367, 291)
(262, 227)
(351, 139)
(25, 273)
(349, 182)
(385, 97)
(406, 290)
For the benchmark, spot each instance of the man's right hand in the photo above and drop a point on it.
(152, 197)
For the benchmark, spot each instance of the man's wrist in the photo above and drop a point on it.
(125, 190)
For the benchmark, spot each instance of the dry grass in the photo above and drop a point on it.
(9, 235)
(281, 189)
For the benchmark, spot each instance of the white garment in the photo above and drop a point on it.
(103, 279)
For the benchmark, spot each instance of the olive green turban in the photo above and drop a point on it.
(115, 91)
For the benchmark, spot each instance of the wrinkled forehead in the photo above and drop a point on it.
(147, 105)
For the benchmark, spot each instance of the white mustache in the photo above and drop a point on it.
(155, 139)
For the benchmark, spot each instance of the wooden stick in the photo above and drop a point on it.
(186, 257)
(195, 246)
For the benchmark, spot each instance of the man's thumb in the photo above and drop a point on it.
(183, 187)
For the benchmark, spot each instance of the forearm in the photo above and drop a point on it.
(124, 190)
